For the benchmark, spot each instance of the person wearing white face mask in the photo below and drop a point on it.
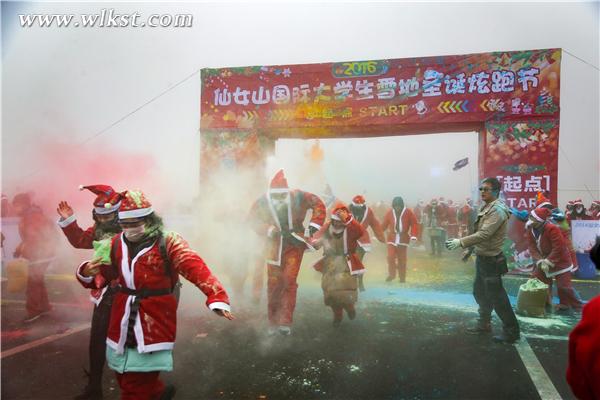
(278, 216)
(147, 261)
(578, 212)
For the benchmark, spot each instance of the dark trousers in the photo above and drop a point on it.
(361, 254)
(97, 348)
(489, 292)
(438, 243)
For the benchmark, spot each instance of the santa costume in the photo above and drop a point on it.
(402, 227)
(146, 261)
(550, 252)
(340, 264)
(38, 247)
(279, 216)
(107, 203)
(364, 215)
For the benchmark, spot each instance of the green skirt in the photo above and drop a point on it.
(132, 361)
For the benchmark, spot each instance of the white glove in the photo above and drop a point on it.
(452, 244)
(544, 265)
(271, 231)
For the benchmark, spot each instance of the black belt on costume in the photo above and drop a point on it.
(135, 307)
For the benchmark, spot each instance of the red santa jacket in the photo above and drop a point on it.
(550, 245)
(156, 321)
(351, 236)
(370, 220)
(266, 222)
(408, 223)
(584, 353)
(84, 239)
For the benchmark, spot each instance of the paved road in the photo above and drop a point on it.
(407, 343)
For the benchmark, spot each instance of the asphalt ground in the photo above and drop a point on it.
(407, 342)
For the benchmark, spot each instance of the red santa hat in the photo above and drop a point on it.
(542, 201)
(595, 204)
(541, 214)
(107, 199)
(577, 202)
(134, 205)
(338, 209)
(358, 200)
(279, 183)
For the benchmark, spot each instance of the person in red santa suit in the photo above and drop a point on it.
(146, 261)
(558, 218)
(584, 347)
(403, 229)
(467, 215)
(340, 264)
(364, 215)
(578, 212)
(594, 211)
(38, 247)
(550, 252)
(106, 225)
(279, 216)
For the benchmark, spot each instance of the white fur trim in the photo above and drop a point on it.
(63, 223)
(271, 230)
(84, 279)
(358, 272)
(562, 271)
(109, 210)
(149, 348)
(315, 225)
(366, 214)
(97, 301)
(120, 348)
(277, 262)
(112, 344)
(533, 213)
(140, 212)
(281, 190)
(219, 305)
(365, 246)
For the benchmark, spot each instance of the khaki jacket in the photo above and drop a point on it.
(490, 229)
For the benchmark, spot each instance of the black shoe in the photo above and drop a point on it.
(168, 393)
(389, 279)
(508, 338)
(480, 328)
(351, 313)
(90, 393)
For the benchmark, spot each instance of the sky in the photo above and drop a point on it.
(74, 100)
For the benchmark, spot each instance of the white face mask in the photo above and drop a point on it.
(337, 231)
(134, 234)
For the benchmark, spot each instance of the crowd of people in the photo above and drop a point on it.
(133, 276)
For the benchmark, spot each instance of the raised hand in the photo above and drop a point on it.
(64, 210)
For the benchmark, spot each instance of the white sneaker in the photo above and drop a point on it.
(285, 330)
(272, 330)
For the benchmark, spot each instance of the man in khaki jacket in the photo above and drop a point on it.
(487, 240)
